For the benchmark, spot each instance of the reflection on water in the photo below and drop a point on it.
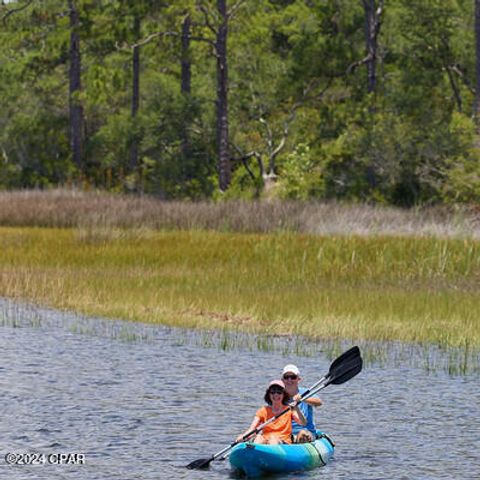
(141, 402)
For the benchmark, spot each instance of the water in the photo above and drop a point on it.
(141, 402)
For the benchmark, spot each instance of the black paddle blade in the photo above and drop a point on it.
(345, 357)
(346, 371)
(200, 464)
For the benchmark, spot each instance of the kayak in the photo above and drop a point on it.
(255, 460)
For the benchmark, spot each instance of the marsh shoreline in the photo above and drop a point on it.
(212, 267)
(387, 354)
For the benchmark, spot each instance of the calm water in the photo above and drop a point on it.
(141, 402)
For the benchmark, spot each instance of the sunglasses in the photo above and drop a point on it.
(275, 390)
(290, 377)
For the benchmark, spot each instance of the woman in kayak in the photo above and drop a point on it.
(280, 430)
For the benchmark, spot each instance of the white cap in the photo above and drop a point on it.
(291, 369)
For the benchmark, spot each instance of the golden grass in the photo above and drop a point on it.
(97, 213)
(348, 287)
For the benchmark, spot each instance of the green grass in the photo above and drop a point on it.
(336, 287)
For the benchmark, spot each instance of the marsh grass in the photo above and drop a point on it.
(298, 271)
(378, 288)
(101, 216)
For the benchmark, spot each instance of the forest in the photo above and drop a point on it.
(352, 100)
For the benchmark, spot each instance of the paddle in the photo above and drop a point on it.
(353, 354)
(345, 367)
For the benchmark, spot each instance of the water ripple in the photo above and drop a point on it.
(144, 409)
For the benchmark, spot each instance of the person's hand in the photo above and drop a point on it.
(241, 438)
(295, 400)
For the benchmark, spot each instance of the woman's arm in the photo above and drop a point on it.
(253, 426)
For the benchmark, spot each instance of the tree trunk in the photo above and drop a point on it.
(371, 43)
(186, 83)
(76, 110)
(477, 62)
(135, 94)
(224, 168)
(186, 64)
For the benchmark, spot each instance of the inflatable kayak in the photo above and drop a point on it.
(255, 460)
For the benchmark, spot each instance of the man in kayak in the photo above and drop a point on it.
(291, 378)
(280, 430)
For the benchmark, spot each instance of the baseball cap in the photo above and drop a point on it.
(279, 383)
(290, 368)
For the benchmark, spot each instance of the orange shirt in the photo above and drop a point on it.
(280, 428)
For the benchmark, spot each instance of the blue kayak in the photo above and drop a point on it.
(255, 460)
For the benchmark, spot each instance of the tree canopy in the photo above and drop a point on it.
(358, 100)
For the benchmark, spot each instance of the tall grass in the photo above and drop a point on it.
(372, 288)
(98, 214)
